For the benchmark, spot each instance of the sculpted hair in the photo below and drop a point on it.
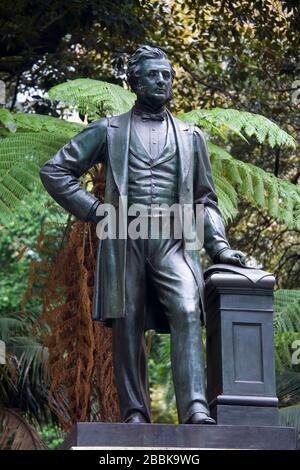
(140, 55)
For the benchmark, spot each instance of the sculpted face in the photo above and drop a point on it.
(155, 83)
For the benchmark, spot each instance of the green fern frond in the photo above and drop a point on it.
(7, 120)
(15, 183)
(240, 123)
(273, 205)
(93, 97)
(232, 171)
(227, 197)
(246, 176)
(279, 197)
(30, 146)
(287, 310)
(34, 140)
(216, 163)
(259, 190)
(25, 122)
(283, 350)
(287, 211)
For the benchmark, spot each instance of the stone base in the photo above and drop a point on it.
(245, 415)
(183, 436)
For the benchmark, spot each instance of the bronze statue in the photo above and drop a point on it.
(150, 157)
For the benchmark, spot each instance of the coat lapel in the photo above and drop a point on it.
(118, 135)
(185, 150)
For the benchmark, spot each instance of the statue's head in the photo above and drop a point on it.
(150, 75)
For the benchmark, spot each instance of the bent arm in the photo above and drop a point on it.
(215, 239)
(61, 174)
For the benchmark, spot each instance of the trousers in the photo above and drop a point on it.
(159, 263)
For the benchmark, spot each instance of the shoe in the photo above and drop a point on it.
(136, 418)
(200, 418)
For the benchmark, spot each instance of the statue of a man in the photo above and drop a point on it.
(150, 158)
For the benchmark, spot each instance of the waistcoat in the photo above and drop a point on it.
(152, 181)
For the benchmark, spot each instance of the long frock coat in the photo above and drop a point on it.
(106, 141)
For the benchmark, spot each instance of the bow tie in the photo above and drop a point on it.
(145, 116)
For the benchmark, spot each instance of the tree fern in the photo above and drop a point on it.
(279, 197)
(97, 98)
(241, 123)
(94, 97)
(28, 141)
(25, 122)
